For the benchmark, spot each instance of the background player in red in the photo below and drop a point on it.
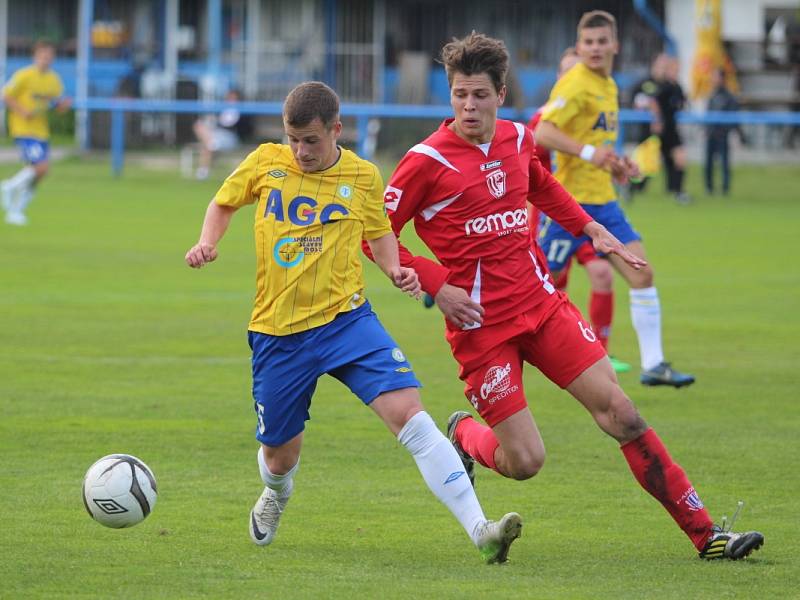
(466, 187)
(599, 272)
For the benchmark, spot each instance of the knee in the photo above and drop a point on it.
(628, 424)
(41, 169)
(280, 465)
(643, 278)
(525, 467)
(601, 278)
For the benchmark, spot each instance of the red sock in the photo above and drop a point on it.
(666, 482)
(601, 313)
(478, 441)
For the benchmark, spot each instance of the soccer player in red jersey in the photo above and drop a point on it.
(466, 187)
(600, 273)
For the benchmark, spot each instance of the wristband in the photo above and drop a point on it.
(587, 152)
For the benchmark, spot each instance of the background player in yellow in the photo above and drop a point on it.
(580, 123)
(28, 96)
(315, 202)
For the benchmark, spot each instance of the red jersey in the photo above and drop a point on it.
(543, 154)
(470, 207)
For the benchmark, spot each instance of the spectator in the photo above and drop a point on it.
(717, 133)
(221, 133)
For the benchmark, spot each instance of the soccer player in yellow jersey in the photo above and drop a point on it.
(28, 96)
(580, 123)
(315, 202)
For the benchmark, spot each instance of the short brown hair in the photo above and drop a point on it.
(597, 18)
(475, 54)
(311, 100)
(41, 44)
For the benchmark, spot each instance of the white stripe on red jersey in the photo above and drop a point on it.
(471, 210)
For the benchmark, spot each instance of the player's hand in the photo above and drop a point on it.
(605, 243)
(623, 169)
(604, 157)
(407, 280)
(458, 307)
(201, 254)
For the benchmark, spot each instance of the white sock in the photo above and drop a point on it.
(442, 470)
(279, 483)
(23, 177)
(22, 198)
(646, 317)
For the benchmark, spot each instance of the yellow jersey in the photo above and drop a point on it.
(35, 91)
(308, 233)
(584, 105)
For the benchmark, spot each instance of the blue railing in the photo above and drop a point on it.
(364, 112)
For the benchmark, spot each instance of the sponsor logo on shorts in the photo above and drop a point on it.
(398, 355)
(692, 500)
(491, 165)
(496, 181)
(503, 223)
(497, 383)
(402, 370)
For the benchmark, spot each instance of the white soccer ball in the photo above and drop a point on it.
(119, 490)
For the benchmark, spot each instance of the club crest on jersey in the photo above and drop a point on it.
(496, 181)
(491, 165)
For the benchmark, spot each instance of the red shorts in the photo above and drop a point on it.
(561, 345)
(585, 253)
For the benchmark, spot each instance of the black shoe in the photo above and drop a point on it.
(724, 543)
(664, 374)
(466, 459)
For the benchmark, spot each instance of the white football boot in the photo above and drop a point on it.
(266, 514)
(495, 537)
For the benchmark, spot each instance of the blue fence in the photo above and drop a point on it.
(364, 112)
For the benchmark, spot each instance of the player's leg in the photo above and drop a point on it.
(679, 160)
(17, 190)
(362, 355)
(653, 467)
(204, 134)
(644, 302)
(443, 472)
(283, 383)
(708, 167)
(726, 169)
(491, 367)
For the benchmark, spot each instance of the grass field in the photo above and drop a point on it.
(109, 343)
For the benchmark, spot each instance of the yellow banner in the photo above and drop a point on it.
(710, 53)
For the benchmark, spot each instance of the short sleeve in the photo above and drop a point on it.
(563, 105)
(14, 85)
(376, 221)
(237, 189)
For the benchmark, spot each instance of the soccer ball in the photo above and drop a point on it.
(119, 490)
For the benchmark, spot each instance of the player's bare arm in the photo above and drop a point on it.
(385, 251)
(215, 224)
(550, 136)
(458, 307)
(606, 243)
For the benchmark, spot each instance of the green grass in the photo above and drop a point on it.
(109, 343)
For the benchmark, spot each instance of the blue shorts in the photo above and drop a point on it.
(559, 244)
(354, 348)
(32, 150)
